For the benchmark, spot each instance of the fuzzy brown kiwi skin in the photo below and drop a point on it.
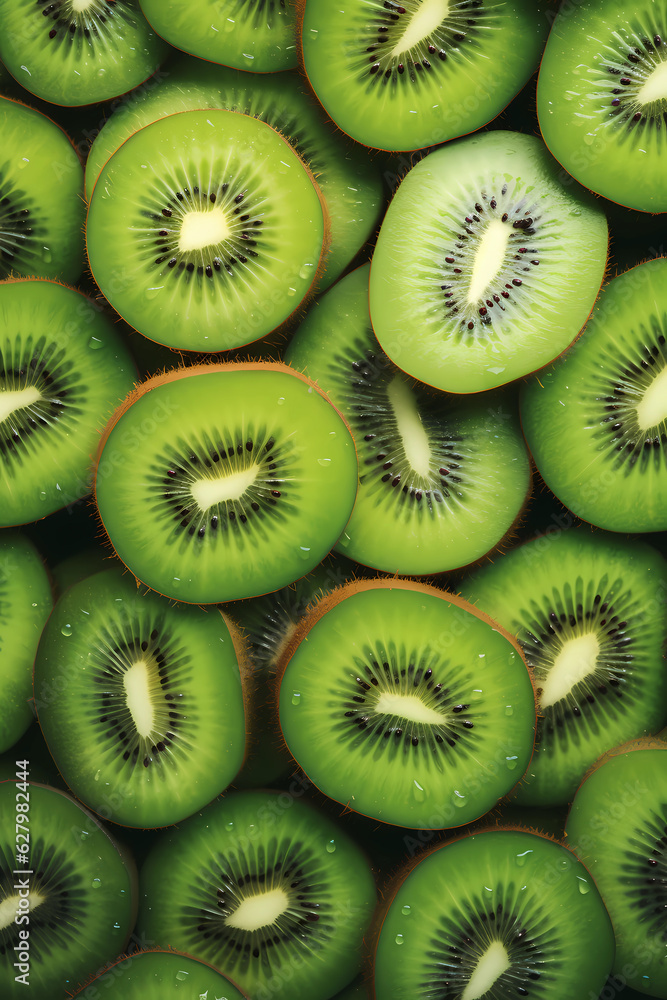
(300, 309)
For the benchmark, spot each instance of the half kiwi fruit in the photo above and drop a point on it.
(69, 905)
(588, 611)
(158, 975)
(63, 370)
(419, 72)
(487, 264)
(602, 99)
(205, 230)
(493, 916)
(267, 889)
(596, 421)
(41, 188)
(78, 52)
(406, 704)
(441, 481)
(617, 827)
(220, 482)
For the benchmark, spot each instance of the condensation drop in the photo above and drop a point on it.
(584, 886)
(42, 495)
(511, 762)
(522, 858)
(229, 24)
(291, 291)
(459, 800)
(151, 293)
(281, 400)
(418, 792)
(303, 552)
(399, 939)
(96, 883)
(331, 846)
(66, 629)
(509, 710)
(95, 343)
(181, 976)
(296, 697)
(306, 271)
(229, 825)
(47, 256)
(405, 910)
(324, 462)
(97, 776)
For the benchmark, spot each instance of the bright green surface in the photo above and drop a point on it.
(254, 35)
(595, 114)
(25, 604)
(219, 858)
(447, 95)
(42, 212)
(473, 744)
(429, 312)
(86, 910)
(231, 289)
(304, 496)
(617, 827)
(53, 340)
(110, 50)
(552, 923)
(161, 976)
(92, 644)
(580, 417)
(407, 519)
(551, 593)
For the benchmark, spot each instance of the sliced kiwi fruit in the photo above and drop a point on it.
(140, 701)
(63, 370)
(351, 184)
(497, 915)
(25, 604)
(205, 230)
(487, 264)
(220, 482)
(254, 35)
(406, 704)
(441, 482)
(602, 99)
(419, 72)
(41, 205)
(588, 611)
(77, 52)
(70, 905)
(596, 421)
(266, 888)
(617, 827)
(159, 975)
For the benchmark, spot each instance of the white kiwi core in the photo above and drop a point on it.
(652, 408)
(208, 492)
(488, 970)
(137, 684)
(408, 706)
(575, 661)
(9, 907)
(203, 229)
(259, 910)
(16, 399)
(489, 259)
(429, 15)
(655, 88)
(410, 427)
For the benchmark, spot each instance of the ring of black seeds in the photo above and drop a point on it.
(66, 26)
(19, 230)
(644, 872)
(626, 64)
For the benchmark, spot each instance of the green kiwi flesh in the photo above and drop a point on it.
(406, 705)
(77, 52)
(205, 230)
(419, 72)
(25, 604)
(140, 701)
(481, 238)
(441, 481)
(76, 897)
(156, 975)
(221, 482)
(602, 99)
(596, 421)
(588, 611)
(617, 828)
(259, 884)
(41, 204)
(63, 371)
(496, 915)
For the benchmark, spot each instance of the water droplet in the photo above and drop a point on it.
(496, 371)
(509, 710)
(459, 800)
(34, 605)
(151, 293)
(84, 834)
(97, 776)
(399, 939)
(405, 910)
(584, 886)
(589, 139)
(512, 763)
(96, 883)
(306, 271)
(344, 540)
(303, 552)
(324, 462)
(95, 343)
(522, 858)
(181, 976)
(564, 864)
(229, 825)
(229, 24)
(248, 57)
(281, 400)
(176, 581)
(116, 926)
(331, 846)
(418, 792)
(42, 495)
(291, 292)
(296, 697)
(47, 256)
(66, 629)
(332, 434)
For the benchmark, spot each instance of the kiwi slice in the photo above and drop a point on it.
(63, 369)
(496, 915)
(482, 237)
(441, 481)
(159, 975)
(617, 827)
(587, 612)
(596, 421)
(256, 35)
(41, 188)
(265, 887)
(419, 72)
(140, 701)
(205, 230)
(220, 482)
(25, 604)
(78, 52)
(377, 704)
(70, 905)
(350, 182)
(602, 99)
